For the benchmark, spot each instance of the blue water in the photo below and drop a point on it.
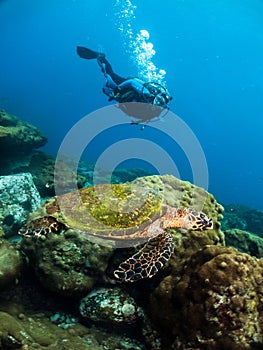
(212, 52)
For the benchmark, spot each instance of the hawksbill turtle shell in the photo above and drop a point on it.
(119, 212)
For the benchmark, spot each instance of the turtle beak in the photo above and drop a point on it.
(207, 224)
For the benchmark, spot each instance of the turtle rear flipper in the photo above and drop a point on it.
(148, 261)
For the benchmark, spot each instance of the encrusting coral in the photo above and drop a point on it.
(245, 242)
(216, 301)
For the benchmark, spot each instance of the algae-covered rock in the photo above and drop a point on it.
(17, 136)
(245, 242)
(10, 264)
(33, 318)
(25, 331)
(18, 198)
(216, 304)
(110, 306)
(67, 263)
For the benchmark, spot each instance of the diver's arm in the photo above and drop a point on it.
(132, 84)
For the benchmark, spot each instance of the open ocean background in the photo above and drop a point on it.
(212, 52)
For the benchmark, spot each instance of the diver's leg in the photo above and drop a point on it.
(104, 64)
(106, 68)
(109, 82)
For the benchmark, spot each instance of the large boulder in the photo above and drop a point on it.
(18, 198)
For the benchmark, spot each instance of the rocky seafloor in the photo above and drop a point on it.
(58, 291)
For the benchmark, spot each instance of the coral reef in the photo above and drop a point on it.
(245, 242)
(241, 217)
(18, 141)
(18, 198)
(117, 176)
(208, 296)
(17, 136)
(217, 302)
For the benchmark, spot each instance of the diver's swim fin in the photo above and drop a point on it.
(84, 52)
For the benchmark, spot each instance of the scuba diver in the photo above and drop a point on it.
(125, 90)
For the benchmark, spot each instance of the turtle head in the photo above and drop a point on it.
(187, 218)
(196, 220)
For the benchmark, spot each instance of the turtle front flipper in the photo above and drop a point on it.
(148, 261)
(41, 227)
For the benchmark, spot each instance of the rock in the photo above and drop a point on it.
(67, 263)
(33, 318)
(41, 166)
(18, 198)
(111, 307)
(245, 242)
(10, 264)
(217, 303)
(17, 136)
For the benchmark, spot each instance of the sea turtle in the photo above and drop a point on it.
(120, 213)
